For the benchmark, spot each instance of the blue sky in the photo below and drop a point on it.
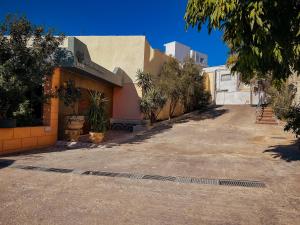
(160, 20)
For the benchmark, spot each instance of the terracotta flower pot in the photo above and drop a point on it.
(96, 137)
(74, 122)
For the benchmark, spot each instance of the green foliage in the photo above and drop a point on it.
(70, 94)
(152, 100)
(263, 36)
(97, 116)
(293, 120)
(282, 98)
(152, 103)
(193, 95)
(170, 83)
(26, 60)
(144, 81)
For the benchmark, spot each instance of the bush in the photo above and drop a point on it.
(293, 120)
(282, 98)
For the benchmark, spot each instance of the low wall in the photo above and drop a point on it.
(27, 138)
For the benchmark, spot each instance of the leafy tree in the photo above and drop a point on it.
(153, 99)
(170, 83)
(263, 35)
(293, 120)
(193, 95)
(27, 60)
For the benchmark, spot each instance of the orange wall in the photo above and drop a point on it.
(126, 104)
(26, 138)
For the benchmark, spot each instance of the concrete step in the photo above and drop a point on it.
(269, 123)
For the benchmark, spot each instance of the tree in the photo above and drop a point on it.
(263, 36)
(27, 59)
(193, 95)
(170, 83)
(153, 99)
(293, 120)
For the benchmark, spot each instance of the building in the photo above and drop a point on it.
(126, 54)
(226, 88)
(181, 52)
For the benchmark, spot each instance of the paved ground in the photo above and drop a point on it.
(224, 143)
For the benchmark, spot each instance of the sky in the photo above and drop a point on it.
(160, 20)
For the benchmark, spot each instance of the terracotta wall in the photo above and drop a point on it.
(85, 82)
(26, 138)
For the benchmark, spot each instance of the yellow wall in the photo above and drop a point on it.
(26, 138)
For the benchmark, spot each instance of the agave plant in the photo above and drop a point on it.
(96, 115)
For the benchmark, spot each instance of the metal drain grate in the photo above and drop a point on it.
(242, 183)
(185, 180)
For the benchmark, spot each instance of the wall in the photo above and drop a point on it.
(26, 138)
(88, 83)
(231, 92)
(177, 50)
(126, 52)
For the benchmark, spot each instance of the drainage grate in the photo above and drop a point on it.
(185, 180)
(242, 183)
(205, 181)
(59, 170)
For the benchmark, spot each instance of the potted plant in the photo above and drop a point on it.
(70, 96)
(97, 116)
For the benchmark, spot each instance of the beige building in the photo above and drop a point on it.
(123, 56)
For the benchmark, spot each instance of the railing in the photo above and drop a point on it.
(260, 108)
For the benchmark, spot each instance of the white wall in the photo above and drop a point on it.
(230, 91)
(181, 52)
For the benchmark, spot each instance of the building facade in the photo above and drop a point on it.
(226, 88)
(181, 52)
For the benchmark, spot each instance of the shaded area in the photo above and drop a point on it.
(117, 138)
(6, 163)
(164, 126)
(288, 153)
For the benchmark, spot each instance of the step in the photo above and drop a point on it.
(270, 122)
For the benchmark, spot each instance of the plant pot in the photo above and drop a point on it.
(8, 123)
(96, 137)
(74, 122)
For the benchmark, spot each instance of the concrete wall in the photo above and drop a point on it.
(228, 91)
(27, 138)
(177, 50)
(181, 52)
(126, 52)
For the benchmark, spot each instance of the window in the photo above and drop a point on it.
(225, 77)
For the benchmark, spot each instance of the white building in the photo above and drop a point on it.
(227, 89)
(181, 52)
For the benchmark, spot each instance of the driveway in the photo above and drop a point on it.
(223, 143)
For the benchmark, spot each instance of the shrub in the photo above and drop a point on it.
(281, 98)
(97, 116)
(293, 120)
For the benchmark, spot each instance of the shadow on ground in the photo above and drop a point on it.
(288, 153)
(210, 113)
(6, 163)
